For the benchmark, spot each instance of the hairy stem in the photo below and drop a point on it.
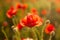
(4, 33)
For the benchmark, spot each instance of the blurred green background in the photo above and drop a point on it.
(49, 5)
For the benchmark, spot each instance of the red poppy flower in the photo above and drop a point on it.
(49, 28)
(19, 26)
(44, 12)
(34, 11)
(22, 6)
(25, 6)
(58, 10)
(19, 6)
(11, 12)
(31, 20)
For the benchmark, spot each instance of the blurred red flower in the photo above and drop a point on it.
(49, 28)
(22, 6)
(31, 20)
(19, 26)
(58, 10)
(44, 12)
(11, 12)
(19, 6)
(25, 6)
(34, 11)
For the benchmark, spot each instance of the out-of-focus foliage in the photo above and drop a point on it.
(48, 5)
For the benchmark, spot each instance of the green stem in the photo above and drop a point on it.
(4, 33)
(35, 35)
(43, 31)
(50, 37)
(44, 28)
(13, 20)
(38, 34)
(17, 34)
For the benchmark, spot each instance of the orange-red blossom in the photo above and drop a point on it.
(49, 28)
(31, 20)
